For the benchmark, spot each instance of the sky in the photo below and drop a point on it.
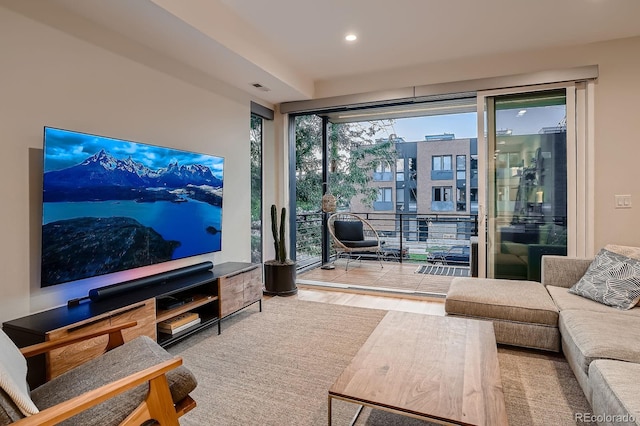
(466, 125)
(416, 128)
(64, 148)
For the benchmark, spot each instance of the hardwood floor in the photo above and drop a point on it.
(392, 277)
(395, 289)
(390, 303)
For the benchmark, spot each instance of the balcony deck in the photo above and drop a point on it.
(366, 276)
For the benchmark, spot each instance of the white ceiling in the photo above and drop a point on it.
(289, 45)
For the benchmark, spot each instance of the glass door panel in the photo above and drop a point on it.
(527, 182)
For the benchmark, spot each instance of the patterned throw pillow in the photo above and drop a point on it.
(612, 279)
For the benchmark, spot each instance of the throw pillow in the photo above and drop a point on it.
(612, 279)
(13, 375)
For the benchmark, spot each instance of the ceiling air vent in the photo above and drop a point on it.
(260, 87)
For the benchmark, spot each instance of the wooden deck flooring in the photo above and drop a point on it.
(369, 276)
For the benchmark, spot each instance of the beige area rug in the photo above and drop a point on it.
(275, 368)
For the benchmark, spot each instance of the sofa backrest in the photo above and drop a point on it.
(562, 271)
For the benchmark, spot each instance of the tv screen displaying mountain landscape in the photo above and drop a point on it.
(111, 205)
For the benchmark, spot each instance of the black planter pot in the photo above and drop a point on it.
(280, 279)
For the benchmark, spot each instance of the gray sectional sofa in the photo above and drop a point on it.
(600, 343)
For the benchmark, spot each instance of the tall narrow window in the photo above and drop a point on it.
(255, 136)
(413, 169)
(260, 117)
(461, 183)
(400, 199)
(400, 169)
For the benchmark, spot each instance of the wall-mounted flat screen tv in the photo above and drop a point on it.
(112, 205)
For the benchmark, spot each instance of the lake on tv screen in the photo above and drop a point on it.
(98, 234)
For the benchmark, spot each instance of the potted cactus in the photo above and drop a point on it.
(279, 273)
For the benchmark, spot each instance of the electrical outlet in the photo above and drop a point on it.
(623, 201)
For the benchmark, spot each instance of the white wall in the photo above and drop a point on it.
(617, 122)
(48, 77)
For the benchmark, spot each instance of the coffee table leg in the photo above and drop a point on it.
(329, 405)
(355, 418)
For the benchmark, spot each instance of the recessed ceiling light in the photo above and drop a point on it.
(351, 37)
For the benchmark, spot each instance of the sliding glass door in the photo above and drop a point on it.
(529, 192)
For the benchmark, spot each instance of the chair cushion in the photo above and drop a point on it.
(13, 375)
(123, 361)
(360, 244)
(9, 411)
(348, 230)
(612, 279)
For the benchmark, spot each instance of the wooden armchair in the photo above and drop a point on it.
(107, 390)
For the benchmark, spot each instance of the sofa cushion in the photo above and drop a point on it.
(612, 279)
(614, 391)
(565, 300)
(127, 359)
(590, 335)
(512, 300)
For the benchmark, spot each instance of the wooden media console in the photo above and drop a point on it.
(212, 295)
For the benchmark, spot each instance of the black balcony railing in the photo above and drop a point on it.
(308, 239)
(406, 237)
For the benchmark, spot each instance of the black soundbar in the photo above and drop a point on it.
(101, 293)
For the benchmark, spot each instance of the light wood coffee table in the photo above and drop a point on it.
(441, 369)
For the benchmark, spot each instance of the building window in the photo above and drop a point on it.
(461, 183)
(441, 193)
(384, 200)
(383, 172)
(383, 167)
(384, 195)
(400, 170)
(441, 163)
(461, 199)
(413, 169)
(400, 199)
(413, 201)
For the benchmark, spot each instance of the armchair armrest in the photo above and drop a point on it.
(114, 332)
(158, 405)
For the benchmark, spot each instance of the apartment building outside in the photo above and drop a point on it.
(431, 191)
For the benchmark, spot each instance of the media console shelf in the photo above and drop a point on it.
(213, 295)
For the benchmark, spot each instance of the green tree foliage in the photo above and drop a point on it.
(255, 137)
(354, 153)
